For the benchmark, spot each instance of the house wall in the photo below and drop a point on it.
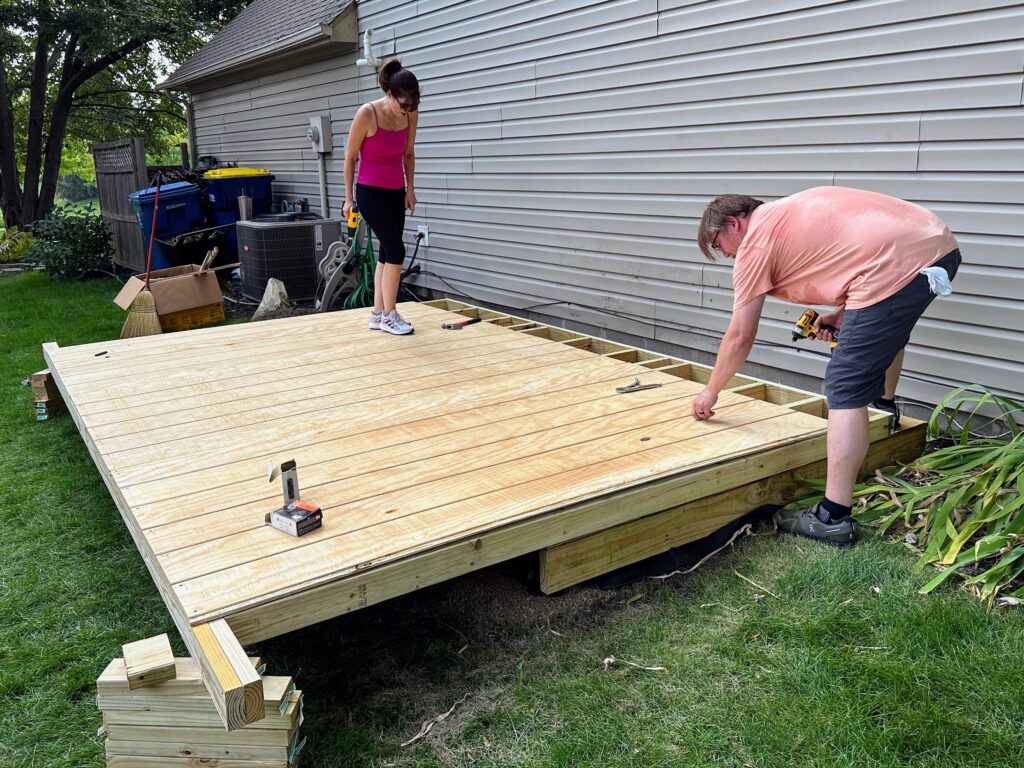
(567, 149)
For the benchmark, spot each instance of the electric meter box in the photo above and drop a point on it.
(319, 133)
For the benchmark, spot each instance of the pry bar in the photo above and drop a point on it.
(460, 325)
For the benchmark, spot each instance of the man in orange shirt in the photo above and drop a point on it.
(879, 261)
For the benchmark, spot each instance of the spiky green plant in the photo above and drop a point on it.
(961, 505)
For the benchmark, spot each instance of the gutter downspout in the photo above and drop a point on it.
(190, 127)
(324, 210)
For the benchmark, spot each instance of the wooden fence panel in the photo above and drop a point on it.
(121, 170)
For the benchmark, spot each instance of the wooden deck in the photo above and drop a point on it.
(431, 455)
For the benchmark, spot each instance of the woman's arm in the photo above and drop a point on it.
(409, 162)
(356, 134)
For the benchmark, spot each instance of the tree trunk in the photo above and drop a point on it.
(10, 189)
(34, 145)
(54, 151)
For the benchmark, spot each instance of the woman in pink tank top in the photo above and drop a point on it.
(382, 138)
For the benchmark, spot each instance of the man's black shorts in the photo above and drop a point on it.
(871, 337)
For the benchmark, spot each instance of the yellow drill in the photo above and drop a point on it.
(353, 221)
(804, 328)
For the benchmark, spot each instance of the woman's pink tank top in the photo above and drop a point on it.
(380, 158)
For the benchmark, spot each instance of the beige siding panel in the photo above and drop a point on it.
(926, 188)
(568, 43)
(972, 156)
(567, 149)
(870, 130)
(923, 34)
(742, 27)
(613, 185)
(876, 157)
(911, 68)
(995, 91)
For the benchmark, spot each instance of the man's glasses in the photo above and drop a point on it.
(714, 243)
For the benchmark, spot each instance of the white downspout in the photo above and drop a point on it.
(324, 209)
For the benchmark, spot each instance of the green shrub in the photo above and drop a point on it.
(75, 189)
(72, 243)
(15, 245)
(962, 505)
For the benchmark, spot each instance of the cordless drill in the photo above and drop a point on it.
(804, 328)
(353, 221)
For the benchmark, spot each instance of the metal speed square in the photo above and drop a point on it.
(296, 517)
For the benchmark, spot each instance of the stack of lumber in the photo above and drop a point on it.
(174, 724)
(48, 401)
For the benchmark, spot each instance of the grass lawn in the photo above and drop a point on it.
(832, 673)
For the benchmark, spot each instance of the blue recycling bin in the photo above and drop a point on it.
(180, 211)
(225, 186)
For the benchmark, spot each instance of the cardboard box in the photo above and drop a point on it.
(177, 290)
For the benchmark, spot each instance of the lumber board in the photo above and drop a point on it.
(263, 619)
(295, 381)
(227, 509)
(261, 440)
(235, 687)
(304, 357)
(381, 495)
(576, 561)
(223, 485)
(198, 707)
(149, 661)
(235, 336)
(423, 378)
(203, 752)
(529, 485)
(199, 736)
(186, 716)
(187, 680)
(137, 761)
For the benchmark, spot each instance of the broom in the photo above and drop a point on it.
(142, 319)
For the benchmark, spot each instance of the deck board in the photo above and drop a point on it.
(410, 445)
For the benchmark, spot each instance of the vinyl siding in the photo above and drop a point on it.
(567, 149)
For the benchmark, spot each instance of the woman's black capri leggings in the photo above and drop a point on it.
(384, 211)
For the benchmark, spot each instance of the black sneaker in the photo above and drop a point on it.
(889, 408)
(804, 521)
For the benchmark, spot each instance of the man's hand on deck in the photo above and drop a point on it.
(703, 404)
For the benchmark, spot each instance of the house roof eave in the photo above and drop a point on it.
(343, 29)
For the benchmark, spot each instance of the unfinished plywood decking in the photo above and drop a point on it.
(431, 455)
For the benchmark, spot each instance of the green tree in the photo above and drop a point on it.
(85, 69)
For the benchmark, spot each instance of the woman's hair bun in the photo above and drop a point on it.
(387, 71)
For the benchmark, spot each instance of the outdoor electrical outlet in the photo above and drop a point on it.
(423, 229)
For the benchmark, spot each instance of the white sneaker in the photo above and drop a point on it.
(375, 318)
(392, 322)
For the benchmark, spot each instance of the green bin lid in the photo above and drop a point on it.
(227, 173)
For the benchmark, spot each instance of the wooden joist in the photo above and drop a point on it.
(588, 557)
(234, 685)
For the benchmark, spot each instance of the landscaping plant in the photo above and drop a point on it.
(14, 245)
(961, 505)
(72, 243)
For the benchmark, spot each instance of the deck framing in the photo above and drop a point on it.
(652, 478)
